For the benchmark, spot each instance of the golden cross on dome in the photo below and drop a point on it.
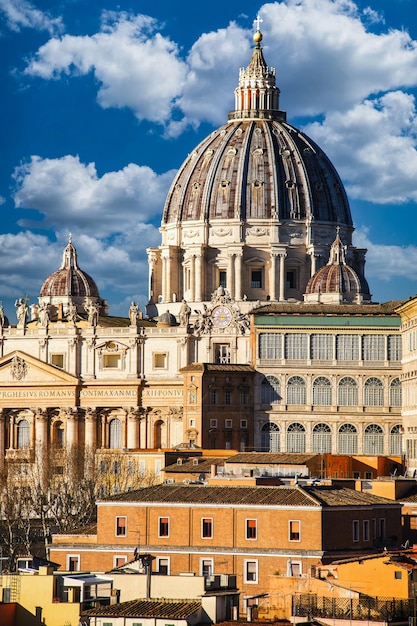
(258, 22)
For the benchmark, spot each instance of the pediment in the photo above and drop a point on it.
(21, 369)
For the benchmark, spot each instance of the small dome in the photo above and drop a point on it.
(337, 281)
(69, 280)
(167, 319)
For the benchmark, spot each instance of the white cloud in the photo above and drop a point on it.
(374, 147)
(22, 14)
(387, 262)
(134, 66)
(70, 194)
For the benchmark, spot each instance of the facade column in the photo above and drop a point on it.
(132, 428)
(41, 430)
(313, 264)
(151, 277)
(71, 419)
(282, 277)
(2, 439)
(238, 276)
(91, 429)
(198, 268)
(272, 277)
(192, 278)
(230, 276)
(41, 442)
(166, 276)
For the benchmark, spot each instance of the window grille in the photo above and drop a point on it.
(348, 439)
(395, 392)
(395, 440)
(296, 346)
(347, 347)
(270, 390)
(115, 433)
(23, 434)
(270, 346)
(373, 393)
(296, 438)
(296, 390)
(373, 440)
(322, 347)
(373, 348)
(394, 347)
(347, 392)
(322, 391)
(270, 438)
(322, 439)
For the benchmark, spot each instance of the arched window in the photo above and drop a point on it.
(115, 433)
(23, 434)
(347, 392)
(373, 440)
(322, 439)
(296, 438)
(322, 391)
(396, 440)
(373, 392)
(296, 390)
(348, 439)
(270, 438)
(395, 392)
(270, 390)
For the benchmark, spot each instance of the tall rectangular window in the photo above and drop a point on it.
(355, 530)
(251, 572)
(206, 567)
(162, 564)
(256, 279)
(223, 279)
(294, 530)
(163, 527)
(394, 347)
(227, 396)
(366, 535)
(347, 347)
(121, 526)
(251, 528)
(296, 346)
(270, 346)
(382, 528)
(73, 562)
(373, 348)
(322, 347)
(207, 528)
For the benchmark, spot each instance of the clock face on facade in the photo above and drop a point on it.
(222, 316)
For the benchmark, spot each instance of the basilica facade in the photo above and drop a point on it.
(260, 332)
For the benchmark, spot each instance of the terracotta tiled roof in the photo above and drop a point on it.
(285, 308)
(410, 496)
(268, 496)
(195, 464)
(271, 458)
(162, 609)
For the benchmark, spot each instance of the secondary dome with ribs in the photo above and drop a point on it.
(69, 280)
(337, 282)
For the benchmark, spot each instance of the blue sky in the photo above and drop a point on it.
(102, 101)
